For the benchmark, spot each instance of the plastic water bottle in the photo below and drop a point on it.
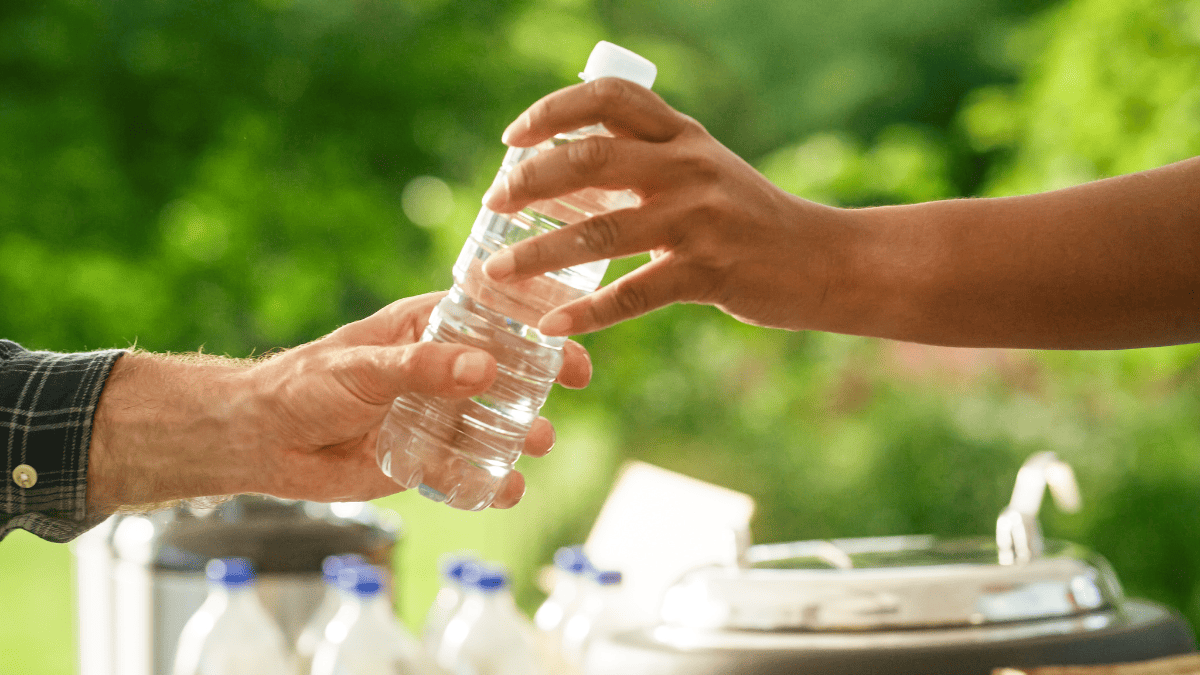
(458, 576)
(488, 635)
(364, 637)
(596, 614)
(231, 633)
(571, 566)
(459, 452)
(313, 632)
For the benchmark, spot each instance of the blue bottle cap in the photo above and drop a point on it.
(608, 578)
(365, 580)
(492, 580)
(462, 570)
(572, 559)
(335, 563)
(231, 572)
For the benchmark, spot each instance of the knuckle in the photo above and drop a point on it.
(532, 252)
(355, 370)
(599, 235)
(588, 155)
(611, 93)
(522, 176)
(703, 167)
(407, 362)
(697, 224)
(708, 260)
(711, 205)
(701, 240)
(629, 300)
(690, 126)
(540, 113)
(702, 252)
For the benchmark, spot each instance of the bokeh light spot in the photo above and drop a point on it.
(427, 201)
(194, 233)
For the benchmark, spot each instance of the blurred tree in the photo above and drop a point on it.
(230, 173)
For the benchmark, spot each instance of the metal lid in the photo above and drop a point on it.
(909, 582)
(886, 583)
(278, 536)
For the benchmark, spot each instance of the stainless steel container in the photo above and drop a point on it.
(139, 577)
(904, 605)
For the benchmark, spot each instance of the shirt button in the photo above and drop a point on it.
(25, 476)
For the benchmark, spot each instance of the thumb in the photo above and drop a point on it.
(379, 374)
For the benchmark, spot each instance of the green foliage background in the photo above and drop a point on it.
(236, 176)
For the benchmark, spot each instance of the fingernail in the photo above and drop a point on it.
(487, 196)
(589, 366)
(511, 130)
(495, 192)
(555, 323)
(500, 266)
(470, 368)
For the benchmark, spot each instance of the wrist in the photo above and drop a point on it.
(825, 268)
(886, 274)
(169, 428)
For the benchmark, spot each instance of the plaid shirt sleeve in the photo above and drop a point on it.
(47, 401)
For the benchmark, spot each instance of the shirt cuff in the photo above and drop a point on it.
(47, 405)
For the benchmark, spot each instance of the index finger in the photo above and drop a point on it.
(401, 322)
(624, 108)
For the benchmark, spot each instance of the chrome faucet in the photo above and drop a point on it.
(1018, 534)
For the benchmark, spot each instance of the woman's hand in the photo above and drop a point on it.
(718, 232)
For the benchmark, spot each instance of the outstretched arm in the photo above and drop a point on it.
(300, 424)
(1106, 265)
(1110, 264)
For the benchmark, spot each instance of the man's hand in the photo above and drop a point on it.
(300, 425)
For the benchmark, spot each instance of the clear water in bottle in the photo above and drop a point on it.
(313, 632)
(488, 635)
(570, 567)
(364, 637)
(460, 452)
(458, 576)
(231, 633)
(594, 616)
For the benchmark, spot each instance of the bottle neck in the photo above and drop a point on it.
(569, 585)
(599, 596)
(498, 599)
(379, 608)
(450, 596)
(234, 600)
(374, 608)
(245, 594)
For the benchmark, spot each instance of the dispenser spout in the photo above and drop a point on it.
(1018, 533)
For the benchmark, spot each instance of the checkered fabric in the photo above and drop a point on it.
(47, 401)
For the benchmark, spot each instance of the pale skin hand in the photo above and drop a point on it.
(299, 425)
(1109, 264)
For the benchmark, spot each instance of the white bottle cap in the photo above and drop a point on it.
(609, 60)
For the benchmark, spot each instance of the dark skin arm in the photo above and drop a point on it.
(1105, 265)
